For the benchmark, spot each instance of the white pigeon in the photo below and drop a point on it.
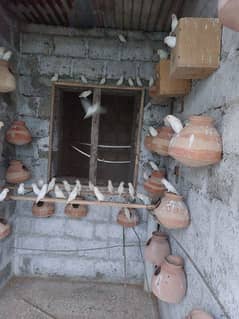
(151, 82)
(1, 125)
(154, 166)
(2, 50)
(131, 82)
(138, 81)
(174, 23)
(152, 131)
(73, 194)
(42, 193)
(121, 188)
(120, 81)
(67, 186)
(40, 183)
(110, 187)
(145, 199)
(103, 81)
(91, 109)
(170, 41)
(85, 93)
(7, 56)
(51, 185)
(98, 194)
(169, 186)
(55, 77)
(174, 122)
(58, 192)
(83, 79)
(131, 191)
(127, 213)
(35, 189)
(162, 54)
(3, 194)
(145, 176)
(21, 189)
(122, 38)
(91, 186)
(79, 187)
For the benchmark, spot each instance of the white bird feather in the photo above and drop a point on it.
(91, 186)
(154, 166)
(85, 93)
(79, 187)
(174, 23)
(131, 82)
(55, 77)
(170, 41)
(98, 194)
(127, 213)
(122, 38)
(58, 192)
(51, 185)
(138, 81)
(110, 187)
(151, 81)
(35, 189)
(145, 199)
(174, 122)
(7, 56)
(21, 189)
(2, 50)
(169, 186)
(73, 194)
(121, 189)
(120, 81)
(91, 109)
(42, 193)
(152, 131)
(67, 187)
(1, 125)
(3, 194)
(103, 81)
(40, 183)
(83, 79)
(131, 191)
(145, 176)
(162, 54)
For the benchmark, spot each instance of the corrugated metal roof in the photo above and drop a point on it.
(145, 15)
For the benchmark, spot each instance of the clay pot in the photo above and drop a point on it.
(7, 79)
(157, 248)
(198, 144)
(172, 212)
(169, 280)
(123, 220)
(76, 210)
(17, 173)
(18, 134)
(198, 314)
(43, 209)
(228, 13)
(5, 228)
(154, 186)
(160, 143)
(148, 142)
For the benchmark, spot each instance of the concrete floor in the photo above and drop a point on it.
(28, 298)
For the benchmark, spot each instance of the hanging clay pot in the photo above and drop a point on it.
(172, 212)
(198, 144)
(7, 79)
(198, 314)
(43, 209)
(5, 228)
(228, 13)
(169, 280)
(17, 173)
(154, 186)
(128, 217)
(148, 140)
(160, 143)
(75, 210)
(157, 248)
(18, 134)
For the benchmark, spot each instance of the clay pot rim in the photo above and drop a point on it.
(4, 62)
(173, 196)
(174, 261)
(159, 173)
(201, 119)
(167, 129)
(159, 235)
(199, 311)
(19, 122)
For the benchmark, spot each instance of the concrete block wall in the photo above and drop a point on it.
(71, 53)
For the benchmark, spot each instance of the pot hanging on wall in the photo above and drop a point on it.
(128, 217)
(18, 134)
(157, 248)
(160, 143)
(7, 79)
(228, 13)
(198, 144)
(5, 228)
(172, 212)
(76, 210)
(169, 280)
(148, 140)
(17, 173)
(43, 209)
(154, 186)
(198, 314)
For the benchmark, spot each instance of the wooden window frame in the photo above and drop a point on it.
(61, 85)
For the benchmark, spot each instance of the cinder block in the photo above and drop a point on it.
(79, 267)
(106, 49)
(79, 228)
(92, 69)
(48, 226)
(98, 214)
(34, 43)
(137, 51)
(117, 68)
(108, 270)
(49, 65)
(71, 47)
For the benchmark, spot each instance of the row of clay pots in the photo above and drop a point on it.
(197, 144)
(5, 228)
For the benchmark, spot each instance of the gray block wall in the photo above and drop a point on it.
(71, 53)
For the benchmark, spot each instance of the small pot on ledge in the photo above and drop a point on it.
(5, 228)
(76, 210)
(128, 217)
(18, 134)
(43, 209)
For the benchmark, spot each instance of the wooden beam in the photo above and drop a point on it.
(83, 85)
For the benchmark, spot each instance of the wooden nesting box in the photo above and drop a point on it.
(197, 51)
(228, 13)
(165, 86)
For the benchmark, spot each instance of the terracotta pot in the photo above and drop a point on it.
(7, 79)
(157, 248)
(17, 173)
(198, 314)
(169, 280)
(160, 143)
(172, 212)
(197, 144)
(5, 228)
(154, 186)
(148, 142)
(43, 209)
(123, 220)
(18, 134)
(76, 210)
(228, 13)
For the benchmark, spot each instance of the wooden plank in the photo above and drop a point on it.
(94, 139)
(83, 85)
(155, 14)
